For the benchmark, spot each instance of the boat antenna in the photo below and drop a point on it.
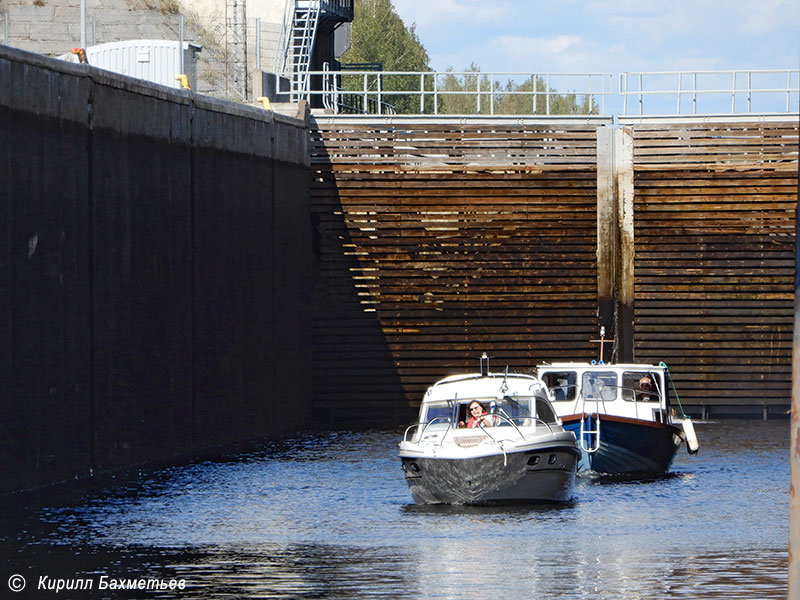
(602, 341)
(484, 365)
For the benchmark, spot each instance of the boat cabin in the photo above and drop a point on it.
(634, 390)
(509, 400)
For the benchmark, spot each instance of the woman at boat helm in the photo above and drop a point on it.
(477, 415)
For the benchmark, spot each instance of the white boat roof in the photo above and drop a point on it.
(612, 366)
(475, 385)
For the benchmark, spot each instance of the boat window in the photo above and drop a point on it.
(517, 410)
(640, 386)
(561, 384)
(599, 386)
(463, 409)
(544, 410)
(436, 410)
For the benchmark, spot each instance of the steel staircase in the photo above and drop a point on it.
(304, 30)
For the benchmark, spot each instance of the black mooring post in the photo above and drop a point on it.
(794, 484)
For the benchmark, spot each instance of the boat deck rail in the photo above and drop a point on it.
(427, 424)
(483, 428)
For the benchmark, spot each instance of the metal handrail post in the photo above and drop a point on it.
(604, 91)
(478, 104)
(491, 94)
(337, 83)
(435, 95)
(749, 90)
(380, 95)
(365, 106)
(680, 81)
(694, 94)
(547, 91)
(422, 93)
(641, 105)
(326, 86)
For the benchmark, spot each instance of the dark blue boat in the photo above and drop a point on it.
(620, 414)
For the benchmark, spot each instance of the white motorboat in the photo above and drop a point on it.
(621, 415)
(516, 451)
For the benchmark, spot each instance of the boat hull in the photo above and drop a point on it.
(538, 475)
(627, 446)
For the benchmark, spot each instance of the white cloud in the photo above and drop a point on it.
(767, 15)
(534, 50)
(608, 36)
(447, 13)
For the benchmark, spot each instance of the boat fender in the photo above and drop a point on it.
(692, 445)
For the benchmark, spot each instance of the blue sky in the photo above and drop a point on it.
(610, 36)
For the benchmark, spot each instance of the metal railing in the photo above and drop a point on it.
(740, 92)
(722, 92)
(466, 92)
(341, 9)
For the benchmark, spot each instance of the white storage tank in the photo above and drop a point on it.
(158, 61)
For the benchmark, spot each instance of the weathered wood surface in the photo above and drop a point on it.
(714, 257)
(439, 243)
(436, 243)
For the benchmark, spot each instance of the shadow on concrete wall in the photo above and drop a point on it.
(156, 267)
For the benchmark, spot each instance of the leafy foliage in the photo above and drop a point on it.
(378, 35)
(468, 93)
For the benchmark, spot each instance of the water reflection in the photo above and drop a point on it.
(329, 516)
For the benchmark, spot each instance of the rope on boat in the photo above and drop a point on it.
(505, 458)
(672, 383)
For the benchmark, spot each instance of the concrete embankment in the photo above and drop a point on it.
(154, 272)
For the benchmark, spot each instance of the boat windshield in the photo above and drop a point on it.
(641, 386)
(599, 386)
(562, 384)
(440, 411)
(515, 410)
(518, 411)
(545, 411)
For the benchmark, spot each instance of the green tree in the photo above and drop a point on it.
(378, 35)
(458, 94)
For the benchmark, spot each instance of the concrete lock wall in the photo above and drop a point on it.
(154, 272)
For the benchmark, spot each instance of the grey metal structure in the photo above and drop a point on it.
(236, 46)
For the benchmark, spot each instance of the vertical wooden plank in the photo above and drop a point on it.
(606, 228)
(623, 172)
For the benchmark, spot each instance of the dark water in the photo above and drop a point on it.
(329, 516)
